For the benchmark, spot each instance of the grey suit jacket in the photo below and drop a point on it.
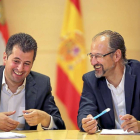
(96, 96)
(38, 96)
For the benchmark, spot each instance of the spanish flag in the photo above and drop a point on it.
(71, 60)
(3, 32)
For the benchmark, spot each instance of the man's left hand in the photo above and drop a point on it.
(34, 117)
(130, 123)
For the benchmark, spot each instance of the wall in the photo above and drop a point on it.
(43, 20)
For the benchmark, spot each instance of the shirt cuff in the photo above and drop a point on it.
(51, 126)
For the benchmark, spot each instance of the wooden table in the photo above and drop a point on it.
(71, 135)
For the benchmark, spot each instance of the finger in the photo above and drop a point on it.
(12, 125)
(85, 120)
(124, 124)
(11, 121)
(133, 125)
(89, 116)
(120, 116)
(89, 125)
(93, 130)
(6, 130)
(129, 121)
(126, 117)
(9, 113)
(9, 126)
(31, 123)
(27, 111)
(29, 114)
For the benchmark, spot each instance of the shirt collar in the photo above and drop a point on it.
(4, 81)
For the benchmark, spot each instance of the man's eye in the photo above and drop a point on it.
(91, 56)
(98, 56)
(26, 64)
(16, 61)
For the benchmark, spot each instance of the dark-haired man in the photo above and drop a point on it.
(113, 84)
(24, 92)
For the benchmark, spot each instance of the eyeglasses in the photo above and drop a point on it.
(98, 56)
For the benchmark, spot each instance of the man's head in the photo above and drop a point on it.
(24, 41)
(107, 50)
(18, 58)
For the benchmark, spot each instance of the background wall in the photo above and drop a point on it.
(43, 20)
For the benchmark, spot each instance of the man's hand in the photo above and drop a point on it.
(89, 124)
(34, 117)
(130, 123)
(6, 123)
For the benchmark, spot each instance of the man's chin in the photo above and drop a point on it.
(98, 75)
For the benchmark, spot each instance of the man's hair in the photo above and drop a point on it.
(24, 41)
(116, 41)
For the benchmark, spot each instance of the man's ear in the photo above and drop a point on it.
(118, 55)
(4, 58)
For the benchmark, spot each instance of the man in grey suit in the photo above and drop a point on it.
(25, 97)
(114, 84)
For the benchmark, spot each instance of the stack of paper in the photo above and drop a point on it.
(8, 135)
(117, 132)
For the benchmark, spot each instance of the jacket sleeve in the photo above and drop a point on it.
(88, 103)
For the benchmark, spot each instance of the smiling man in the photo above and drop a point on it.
(113, 84)
(25, 93)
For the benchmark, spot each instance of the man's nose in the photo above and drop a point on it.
(20, 67)
(93, 61)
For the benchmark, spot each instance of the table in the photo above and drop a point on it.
(71, 135)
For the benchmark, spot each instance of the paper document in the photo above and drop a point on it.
(9, 135)
(117, 132)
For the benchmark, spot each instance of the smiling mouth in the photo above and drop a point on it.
(97, 66)
(18, 73)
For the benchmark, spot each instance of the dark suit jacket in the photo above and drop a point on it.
(38, 96)
(96, 96)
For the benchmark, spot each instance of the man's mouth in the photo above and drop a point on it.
(18, 73)
(97, 66)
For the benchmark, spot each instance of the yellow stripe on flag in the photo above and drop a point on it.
(71, 55)
(72, 20)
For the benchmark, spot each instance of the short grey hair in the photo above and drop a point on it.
(116, 41)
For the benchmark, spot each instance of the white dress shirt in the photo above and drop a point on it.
(16, 102)
(118, 96)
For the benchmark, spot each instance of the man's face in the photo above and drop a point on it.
(103, 65)
(17, 66)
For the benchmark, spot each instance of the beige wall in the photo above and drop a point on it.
(43, 20)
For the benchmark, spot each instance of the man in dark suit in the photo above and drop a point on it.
(114, 84)
(25, 97)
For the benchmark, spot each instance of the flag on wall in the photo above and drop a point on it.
(71, 60)
(3, 32)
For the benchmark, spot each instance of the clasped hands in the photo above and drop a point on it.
(130, 124)
(32, 116)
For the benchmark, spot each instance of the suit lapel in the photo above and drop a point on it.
(30, 93)
(106, 94)
(129, 88)
(30, 96)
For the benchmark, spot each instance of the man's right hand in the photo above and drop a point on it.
(6, 123)
(89, 124)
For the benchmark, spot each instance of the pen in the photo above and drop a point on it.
(22, 115)
(102, 113)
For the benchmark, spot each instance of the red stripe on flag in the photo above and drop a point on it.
(4, 31)
(67, 93)
(77, 5)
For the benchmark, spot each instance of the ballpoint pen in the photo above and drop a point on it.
(102, 113)
(22, 115)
